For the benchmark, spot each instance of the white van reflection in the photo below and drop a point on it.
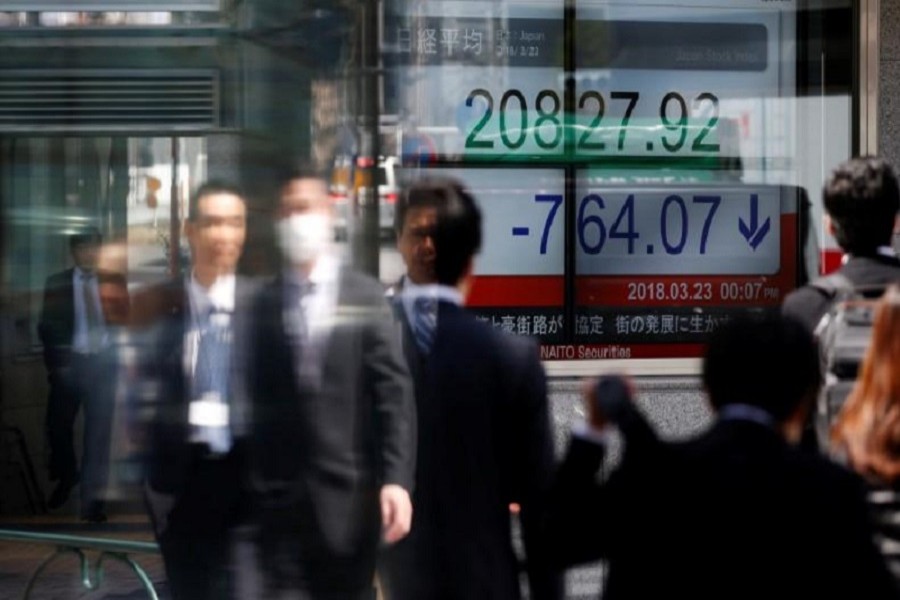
(349, 191)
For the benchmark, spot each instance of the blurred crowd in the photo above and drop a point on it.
(314, 436)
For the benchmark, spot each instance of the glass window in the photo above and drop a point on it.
(55, 186)
(692, 140)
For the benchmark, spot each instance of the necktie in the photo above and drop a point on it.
(298, 325)
(300, 293)
(212, 371)
(93, 319)
(424, 322)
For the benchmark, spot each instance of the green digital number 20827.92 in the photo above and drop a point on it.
(547, 127)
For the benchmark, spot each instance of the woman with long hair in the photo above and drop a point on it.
(867, 431)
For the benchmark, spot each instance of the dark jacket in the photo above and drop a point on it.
(327, 449)
(809, 303)
(160, 398)
(734, 513)
(56, 326)
(484, 442)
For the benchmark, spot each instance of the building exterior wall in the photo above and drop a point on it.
(889, 83)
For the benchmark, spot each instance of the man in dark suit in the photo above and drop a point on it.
(861, 198)
(483, 430)
(414, 217)
(334, 434)
(737, 512)
(190, 335)
(71, 328)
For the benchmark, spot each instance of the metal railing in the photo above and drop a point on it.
(91, 574)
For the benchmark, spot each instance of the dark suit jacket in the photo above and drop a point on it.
(328, 449)
(160, 320)
(56, 326)
(809, 304)
(734, 513)
(484, 442)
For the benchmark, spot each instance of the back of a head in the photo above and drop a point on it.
(457, 232)
(862, 198)
(769, 361)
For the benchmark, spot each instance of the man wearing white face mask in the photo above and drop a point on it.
(334, 422)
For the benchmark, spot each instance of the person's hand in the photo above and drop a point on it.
(593, 416)
(396, 512)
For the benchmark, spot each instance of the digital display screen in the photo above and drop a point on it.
(685, 81)
(642, 230)
(661, 131)
(661, 282)
(480, 80)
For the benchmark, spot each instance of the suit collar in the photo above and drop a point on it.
(395, 289)
(437, 291)
(221, 294)
(738, 432)
(748, 413)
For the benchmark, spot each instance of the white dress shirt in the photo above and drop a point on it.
(81, 337)
(220, 296)
(209, 415)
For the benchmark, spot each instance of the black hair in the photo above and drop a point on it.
(457, 232)
(422, 194)
(303, 171)
(86, 236)
(862, 198)
(208, 189)
(766, 360)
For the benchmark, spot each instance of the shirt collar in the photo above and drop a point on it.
(324, 272)
(746, 412)
(436, 291)
(84, 274)
(397, 289)
(220, 294)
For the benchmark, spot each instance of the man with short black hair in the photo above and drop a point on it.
(72, 329)
(483, 423)
(190, 335)
(414, 219)
(414, 216)
(861, 199)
